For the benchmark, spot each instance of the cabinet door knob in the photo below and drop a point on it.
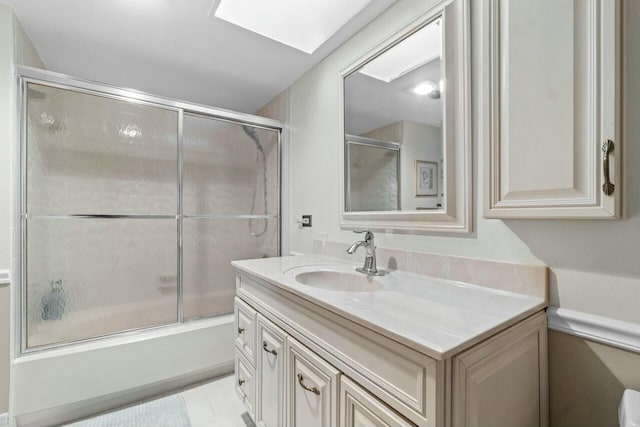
(607, 186)
(313, 390)
(240, 330)
(272, 351)
(240, 382)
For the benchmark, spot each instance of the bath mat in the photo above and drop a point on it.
(166, 412)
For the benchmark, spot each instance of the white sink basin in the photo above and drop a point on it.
(339, 281)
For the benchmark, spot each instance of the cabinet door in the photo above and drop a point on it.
(360, 409)
(312, 388)
(551, 104)
(270, 356)
(502, 382)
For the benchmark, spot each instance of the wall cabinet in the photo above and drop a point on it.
(551, 103)
(313, 368)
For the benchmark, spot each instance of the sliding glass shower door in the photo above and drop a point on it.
(230, 206)
(132, 212)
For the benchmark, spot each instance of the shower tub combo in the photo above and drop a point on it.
(130, 209)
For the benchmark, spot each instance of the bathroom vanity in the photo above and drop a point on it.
(319, 344)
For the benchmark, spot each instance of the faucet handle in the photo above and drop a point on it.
(368, 236)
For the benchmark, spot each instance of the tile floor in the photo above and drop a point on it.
(213, 404)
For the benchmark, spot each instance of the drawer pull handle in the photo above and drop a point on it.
(264, 347)
(240, 382)
(240, 331)
(607, 187)
(313, 390)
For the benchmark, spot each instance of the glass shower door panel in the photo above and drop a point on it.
(92, 277)
(229, 168)
(91, 154)
(209, 246)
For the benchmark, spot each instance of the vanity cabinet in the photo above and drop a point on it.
(312, 367)
(551, 105)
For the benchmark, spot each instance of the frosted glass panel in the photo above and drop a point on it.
(373, 178)
(91, 277)
(229, 168)
(89, 154)
(209, 246)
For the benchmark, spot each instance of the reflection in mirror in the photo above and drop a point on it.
(374, 174)
(393, 127)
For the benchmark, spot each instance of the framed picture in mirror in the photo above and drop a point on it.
(426, 178)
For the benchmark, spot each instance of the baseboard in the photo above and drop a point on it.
(92, 407)
(616, 333)
(4, 420)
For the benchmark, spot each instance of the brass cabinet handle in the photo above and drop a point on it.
(313, 390)
(240, 382)
(240, 330)
(272, 351)
(607, 186)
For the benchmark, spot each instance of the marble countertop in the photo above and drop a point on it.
(437, 317)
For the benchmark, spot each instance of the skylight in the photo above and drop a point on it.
(304, 25)
(421, 47)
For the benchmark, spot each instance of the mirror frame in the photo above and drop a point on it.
(456, 214)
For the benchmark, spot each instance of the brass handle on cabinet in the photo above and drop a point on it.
(607, 186)
(240, 330)
(313, 390)
(240, 382)
(264, 347)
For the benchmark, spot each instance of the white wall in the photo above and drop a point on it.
(419, 142)
(15, 47)
(594, 264)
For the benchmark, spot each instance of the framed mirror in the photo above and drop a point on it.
(405, 134)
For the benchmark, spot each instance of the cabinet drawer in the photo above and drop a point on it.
(358, 408)
(245, 320)
(245, 383)
(312, 388)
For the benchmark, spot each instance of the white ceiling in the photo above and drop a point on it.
(371, 103)
(170, 48)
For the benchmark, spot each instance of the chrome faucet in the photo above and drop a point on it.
(369, 267)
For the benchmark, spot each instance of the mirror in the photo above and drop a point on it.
(405, 137)
(393, 127)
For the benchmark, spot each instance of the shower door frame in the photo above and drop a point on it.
(27, 75)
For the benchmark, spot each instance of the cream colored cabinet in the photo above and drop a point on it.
(313, 368)
(360, 409)
(551, 106)
(270, 374)
(312, 388)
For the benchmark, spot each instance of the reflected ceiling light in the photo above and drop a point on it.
(429, 88)
(421, 47)
(304, 25)
(130, 132)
